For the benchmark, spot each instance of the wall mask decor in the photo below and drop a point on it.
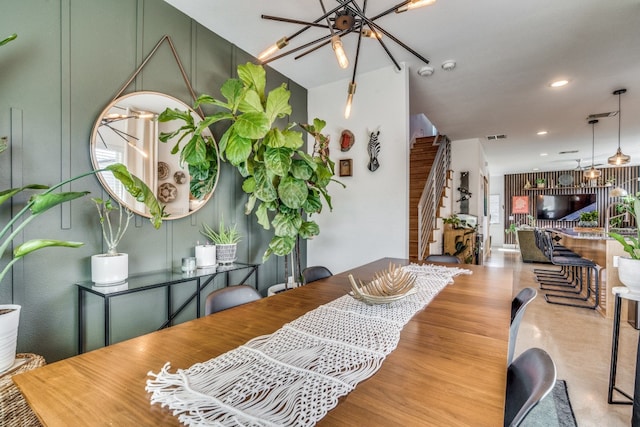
(346, 140)
(373, 148)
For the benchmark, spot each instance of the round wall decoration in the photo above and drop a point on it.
(163, 170)
(565, 180)
(167, 192)
(180, 177)
(346, 140)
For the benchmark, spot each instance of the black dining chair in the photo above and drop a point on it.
(518, 306)
(316, 272)
(530, 377)
(228, 297)
(443, 258)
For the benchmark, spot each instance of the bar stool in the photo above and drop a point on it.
(563, 277)
(573, 289)
(620, 292)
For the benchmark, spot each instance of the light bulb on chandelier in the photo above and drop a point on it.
(592, 173)
(619, 158)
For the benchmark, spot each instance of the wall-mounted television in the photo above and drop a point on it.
(564, 207)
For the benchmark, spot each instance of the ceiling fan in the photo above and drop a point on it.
(579, 167)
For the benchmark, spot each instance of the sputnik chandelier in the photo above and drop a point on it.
(346, 18)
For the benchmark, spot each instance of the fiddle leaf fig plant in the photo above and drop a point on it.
(284, 183)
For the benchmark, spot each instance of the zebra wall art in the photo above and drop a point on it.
(373, 148)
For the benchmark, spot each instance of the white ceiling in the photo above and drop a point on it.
(507, 52)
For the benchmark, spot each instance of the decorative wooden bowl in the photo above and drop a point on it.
(387, 286)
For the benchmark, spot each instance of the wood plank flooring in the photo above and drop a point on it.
(579, 341)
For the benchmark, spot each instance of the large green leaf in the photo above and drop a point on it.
(195, 151)
(282, 245)
(253, 76)
(263, 216)
(252, 125)
(313, 204)
(323, 175)
(7, 194)
(248, 207)
(274, 138)
(35, 244)
(138, 189)
(251, 102)
(278, 160)
(309, 229)
(45, 201)
(301, 169)
(232, 90)
(278, 103)
(292, 139)
(249, 185)
(237, 148)
(287, 225)
(293, 192)
(264, 190)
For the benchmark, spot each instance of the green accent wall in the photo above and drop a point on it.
(69, 61)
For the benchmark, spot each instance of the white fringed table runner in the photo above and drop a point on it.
(297, 374)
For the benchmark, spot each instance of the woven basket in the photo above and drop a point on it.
(14, 410)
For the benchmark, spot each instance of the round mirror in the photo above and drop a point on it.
(127, 131)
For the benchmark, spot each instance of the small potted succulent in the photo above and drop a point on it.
(540, 182)
(226, 240)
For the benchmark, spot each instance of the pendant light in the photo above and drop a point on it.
(592, 173)
(619, 158)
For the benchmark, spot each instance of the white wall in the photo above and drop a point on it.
(370, 216)
(468, 155)
(497, 230)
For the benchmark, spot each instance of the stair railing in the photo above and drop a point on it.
(432, 194)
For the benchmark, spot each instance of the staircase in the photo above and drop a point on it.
(429, 179)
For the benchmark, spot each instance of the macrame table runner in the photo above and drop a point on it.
(297, 374)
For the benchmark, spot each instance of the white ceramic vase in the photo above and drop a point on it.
(109, 270)
(629, 273)
(8, 335)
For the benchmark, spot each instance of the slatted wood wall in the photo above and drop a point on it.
(514, 185)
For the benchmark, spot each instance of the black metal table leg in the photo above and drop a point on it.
(614, 358)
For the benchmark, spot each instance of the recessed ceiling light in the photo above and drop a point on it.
(535, 169)
(542, 132)
(543, 154)
(559, 83)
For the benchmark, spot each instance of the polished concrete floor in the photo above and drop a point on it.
(579, 341)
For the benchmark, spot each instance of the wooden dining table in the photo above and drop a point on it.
(449, 367)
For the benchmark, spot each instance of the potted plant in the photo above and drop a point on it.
(629, 267)
(588, 219)
(111, 268)
(540, 182)
(225, 239)
(284, 184)
(452, 221)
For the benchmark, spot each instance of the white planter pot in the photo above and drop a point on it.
(8, 335)
(226, 254)
(109, 270)
(629, 273)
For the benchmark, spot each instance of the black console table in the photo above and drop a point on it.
(153, 280)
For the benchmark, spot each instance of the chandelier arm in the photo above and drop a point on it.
(384, 46)
(293, 21)
(296, 49)
(302, 30)
(392, 37)
(355, 62)
(320, 44)
(392, 9)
